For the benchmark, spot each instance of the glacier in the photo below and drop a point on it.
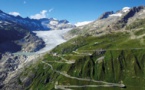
(51, 38)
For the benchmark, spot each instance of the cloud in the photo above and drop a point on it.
(42, 14)
(14, 13)
(50, 10)
(24, 2)
(82, 23)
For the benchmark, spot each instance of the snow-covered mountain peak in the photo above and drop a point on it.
(35, 24)
(55, 24)
(120, 13)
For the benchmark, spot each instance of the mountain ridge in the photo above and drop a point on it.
(34, 24)
(115, 21)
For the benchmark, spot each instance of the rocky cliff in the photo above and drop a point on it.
(15, 38)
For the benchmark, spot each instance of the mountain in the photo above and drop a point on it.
(107, 54)
(16, 36)
(13, 38)
(28, 23)
(34, 24)
(110, 22)
(55, 24)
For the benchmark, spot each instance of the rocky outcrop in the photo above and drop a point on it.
(106, 15)
(14, 37)
(12, 66)
(131, 14)
(9, 63)
(30, 43)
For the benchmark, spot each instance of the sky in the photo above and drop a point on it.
(71, 10)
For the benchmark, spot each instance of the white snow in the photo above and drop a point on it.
(82, 23)
(53, 22)
(51, 38)
(116, 15)
(126, 9)
(119, 14)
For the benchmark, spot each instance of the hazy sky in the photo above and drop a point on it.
(72, 10)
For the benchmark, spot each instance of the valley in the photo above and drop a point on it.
(51, 38)
(106, 54)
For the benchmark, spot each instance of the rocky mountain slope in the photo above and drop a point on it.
(112, 59)
(34, 24)
(110, 21)
(14, 37)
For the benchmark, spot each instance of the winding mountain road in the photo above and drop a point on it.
(106, 84)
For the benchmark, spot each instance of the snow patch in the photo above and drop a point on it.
(116, 15)
(51, 38)
(82, 23)
(119, 14)
(126, 9)
(53, 22)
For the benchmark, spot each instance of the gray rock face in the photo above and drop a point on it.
(132, 12)
(15, 38)
(12, 66)
(8, 64)
(30, 43)
(129, 17)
